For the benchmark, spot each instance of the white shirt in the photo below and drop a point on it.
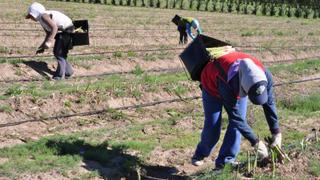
(62, 21)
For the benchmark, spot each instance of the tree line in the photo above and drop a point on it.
(289, 8)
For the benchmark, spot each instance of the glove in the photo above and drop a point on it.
(262, 150)
(47, 44)
(276, 140)
(40, 50)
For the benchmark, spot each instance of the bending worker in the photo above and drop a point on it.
(184, 27)
(227, 81)
(57, 26)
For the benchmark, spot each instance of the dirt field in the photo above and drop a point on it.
(124, 76)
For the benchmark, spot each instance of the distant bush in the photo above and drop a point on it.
(185, 4)
(116, 2)
(139, 3)
(154, 3)
(170, 4)
(131, 3)
(125, 2)
(177, 4)
(194, 4)
(289, 8)
(162, 4)
(147, 3)
(202, 5)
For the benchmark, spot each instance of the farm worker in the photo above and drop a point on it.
(57, 26)
(184, 27)
(227, 81)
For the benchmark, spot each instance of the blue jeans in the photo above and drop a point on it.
(231, 104)
(212, 128)
(270, 110)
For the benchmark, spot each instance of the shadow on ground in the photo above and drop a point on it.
(40, 67)
(113, 163)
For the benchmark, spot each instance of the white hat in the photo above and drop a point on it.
(35, 10)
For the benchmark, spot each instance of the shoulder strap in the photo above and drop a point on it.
(221, 71)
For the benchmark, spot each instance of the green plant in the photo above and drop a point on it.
(314, 166)
(6, 108)
(118, 54)
(138, 70)
(67, 103)
(14, 90)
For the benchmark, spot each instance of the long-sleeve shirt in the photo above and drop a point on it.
(188, 23)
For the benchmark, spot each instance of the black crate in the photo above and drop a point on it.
(80, 38)
(195, 56)
(176, 19)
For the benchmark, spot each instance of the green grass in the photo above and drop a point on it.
(39, 156)
(314, 166)
(302, 104)
(225, 174)
(118, 86)
(61, 153)
(6, 108)
(303, 67)
(64, 152)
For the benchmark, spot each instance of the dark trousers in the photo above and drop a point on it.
(60, 51)
(183, 39)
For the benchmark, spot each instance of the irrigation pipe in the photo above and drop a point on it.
(169, 70)
(172, 70)
(246, 47)
(112, 52)
(132, 72)
(96, 53)
(90, 113)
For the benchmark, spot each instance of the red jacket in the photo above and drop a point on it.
(210, 72)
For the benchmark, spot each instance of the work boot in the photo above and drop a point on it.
(262, 150)
(196, 160)
(276, 140)
(57, 78)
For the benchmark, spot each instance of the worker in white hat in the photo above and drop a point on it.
(57, 26)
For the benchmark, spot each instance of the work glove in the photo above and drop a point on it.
(47, 44)
(262, 150)
(276, 140)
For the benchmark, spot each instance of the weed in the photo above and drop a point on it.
(118, 54)
(90, 175)
(302, 104)
(14, 90)
(116, 115)
(149, 57)
(39, 157)
(6, 108)
(138, 70)
(185, 140)
(131, 54)
(67, 103)
(314, 166)
(225, 174)
(4, 50)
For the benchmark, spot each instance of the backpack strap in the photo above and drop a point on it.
(221, 71)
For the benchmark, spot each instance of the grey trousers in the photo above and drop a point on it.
(60, 51)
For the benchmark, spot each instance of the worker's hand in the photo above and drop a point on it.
(276, 140)
(262, 150)
(40, 50)
(48, 44)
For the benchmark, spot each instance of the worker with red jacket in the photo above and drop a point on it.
(227, 81)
